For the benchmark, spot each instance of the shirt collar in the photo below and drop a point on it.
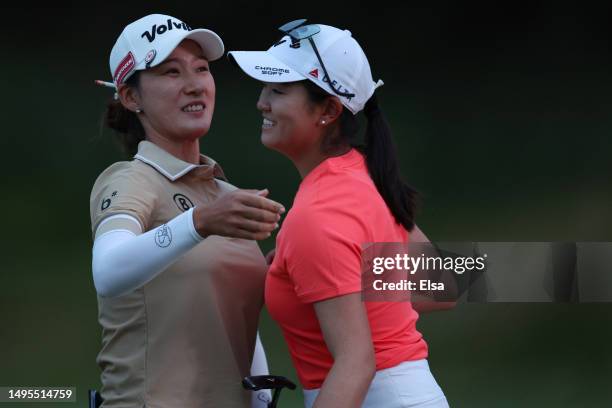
(172, 167)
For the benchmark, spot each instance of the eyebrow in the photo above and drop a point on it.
(169, 60)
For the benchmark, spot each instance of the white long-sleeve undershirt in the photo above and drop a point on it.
(123, 261)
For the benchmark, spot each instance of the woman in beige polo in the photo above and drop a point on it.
(178, 274)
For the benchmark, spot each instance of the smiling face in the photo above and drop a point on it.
(177, 97)
(289, 119)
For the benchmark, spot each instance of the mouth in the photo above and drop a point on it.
(267, 123)
(194, 107)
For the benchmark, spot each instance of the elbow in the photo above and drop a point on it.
(361, 365)
(101, 282)
(102, 289)
(369, 367)
(370, 372)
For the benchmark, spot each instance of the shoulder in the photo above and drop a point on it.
(344, 195)
(342, 187)
(126, 173)
(325, 222)
(225, 186)
(129, 188)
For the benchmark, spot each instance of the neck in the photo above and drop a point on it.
(307, 162)
(187, 150)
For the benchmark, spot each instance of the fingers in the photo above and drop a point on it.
(256, 226)
(260, 236)
(257, 236)
(246, 214)
(257, 214)
(263, 203)
(263, 193)
(257, 199)
(242, 234)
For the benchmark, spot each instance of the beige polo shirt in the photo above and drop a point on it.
(186, 338)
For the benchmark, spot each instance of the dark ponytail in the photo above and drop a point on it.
(379, 150)
(381, 158)
(129, 130)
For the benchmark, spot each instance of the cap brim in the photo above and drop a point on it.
(211, 45)
(263, 66)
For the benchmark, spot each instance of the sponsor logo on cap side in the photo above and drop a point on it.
(150, 57)
(314, 73)
(163, 28)
(272, 70)
(125, 67)
(339, 87)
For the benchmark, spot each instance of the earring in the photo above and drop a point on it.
(138, 110)
(322, 122)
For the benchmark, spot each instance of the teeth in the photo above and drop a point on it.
(267, 123)
(193, 108)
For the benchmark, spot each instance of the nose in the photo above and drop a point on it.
(194, 84)
(262, 103)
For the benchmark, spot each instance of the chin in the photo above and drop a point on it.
(268, 141)
(273, 144)
(196, 132)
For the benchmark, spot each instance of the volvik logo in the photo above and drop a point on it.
(161, 29)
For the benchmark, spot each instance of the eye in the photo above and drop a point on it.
(277, 91)
(203, 68)
(171, 71)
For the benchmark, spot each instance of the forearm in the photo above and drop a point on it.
(347, 383)
(123, 262)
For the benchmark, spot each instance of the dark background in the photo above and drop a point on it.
(502, 114)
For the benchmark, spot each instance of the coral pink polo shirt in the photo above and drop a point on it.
(318, 256)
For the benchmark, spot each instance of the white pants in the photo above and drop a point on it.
(407, 385)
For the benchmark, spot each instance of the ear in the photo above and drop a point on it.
(129, 97)
(331, 112)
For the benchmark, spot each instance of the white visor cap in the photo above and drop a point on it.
(148, 41)
(342, 56)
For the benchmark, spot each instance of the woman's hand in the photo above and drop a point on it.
(246, 214)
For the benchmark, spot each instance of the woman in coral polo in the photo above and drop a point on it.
(346, 352)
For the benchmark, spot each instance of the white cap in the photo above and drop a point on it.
(148, 41)
(342, 56)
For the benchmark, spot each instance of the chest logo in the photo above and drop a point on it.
(182, 202)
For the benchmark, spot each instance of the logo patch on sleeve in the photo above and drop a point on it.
(106, 201)
(163, 236)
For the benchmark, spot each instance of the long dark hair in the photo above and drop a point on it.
(128, 129)
(379, 151)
